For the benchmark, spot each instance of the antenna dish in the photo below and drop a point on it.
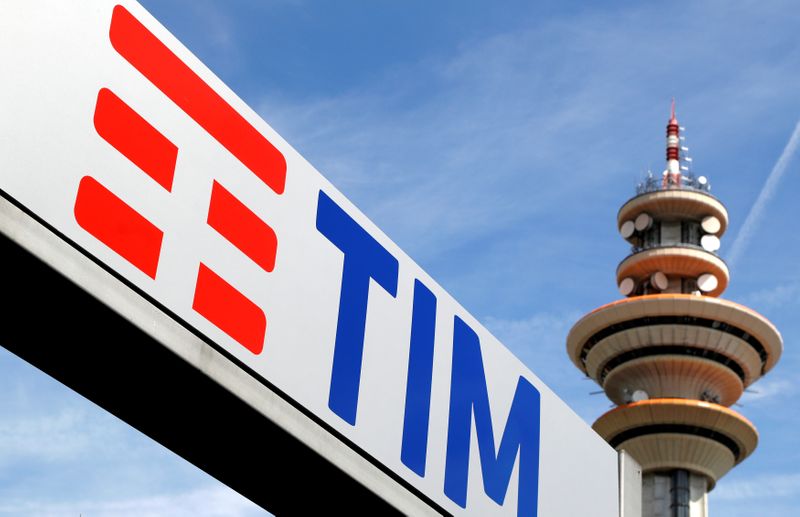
(639, 395)
(627, 229)
(707, 282)
(710, 242)
(627, 286)
(643, 222)
(710, 224)
(659, 280)
(702, 180)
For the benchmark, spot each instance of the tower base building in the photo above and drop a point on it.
(671, 355)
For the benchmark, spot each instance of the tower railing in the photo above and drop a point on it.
(687, 181)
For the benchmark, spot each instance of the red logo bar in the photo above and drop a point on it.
(242, 227)
(227, 308)
(177, 81)
(131, 235)
(135, 138)
(118, 226)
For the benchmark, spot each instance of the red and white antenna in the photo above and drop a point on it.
(672, 176)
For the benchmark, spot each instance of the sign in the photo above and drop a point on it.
(120, 142)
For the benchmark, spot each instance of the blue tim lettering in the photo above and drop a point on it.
(468, 397)
(420, 375)
(364, 259)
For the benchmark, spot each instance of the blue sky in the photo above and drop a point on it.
(495, 145)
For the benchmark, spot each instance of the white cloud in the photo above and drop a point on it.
(770, 389)
(218, 24)
(764, 197)
(776, 296)
(543, 333)
(217, 501)
(759, 487)
(56, 448)
(63, 436)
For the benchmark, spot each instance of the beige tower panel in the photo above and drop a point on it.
(675, 261)
(666, 451)
(701, 417)
(722, 313)
(673, 376)
(675, 204)
(704, 338)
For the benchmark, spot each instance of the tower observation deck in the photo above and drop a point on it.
(671, 354)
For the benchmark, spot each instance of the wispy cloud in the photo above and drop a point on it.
(759, 487)
(767, 192)
(538, 336)
(61, 455)
(215, 501)
(775, 296)
(46, 438)
(770, 389)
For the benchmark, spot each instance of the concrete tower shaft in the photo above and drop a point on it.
(671, 354)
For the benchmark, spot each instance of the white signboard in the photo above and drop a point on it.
(117, 138)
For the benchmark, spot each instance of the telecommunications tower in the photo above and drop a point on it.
(672, 355)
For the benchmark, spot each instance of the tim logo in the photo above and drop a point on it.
(129, 233)
(134, 237)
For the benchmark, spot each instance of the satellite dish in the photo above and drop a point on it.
(639, 395)
(702, 180)
(627, 229)
(710, 224)
(643, 222)
(707, 282)
(627, 286)
(710, 242)
(659, 280)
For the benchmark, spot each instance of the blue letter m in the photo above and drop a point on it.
(468, 397)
